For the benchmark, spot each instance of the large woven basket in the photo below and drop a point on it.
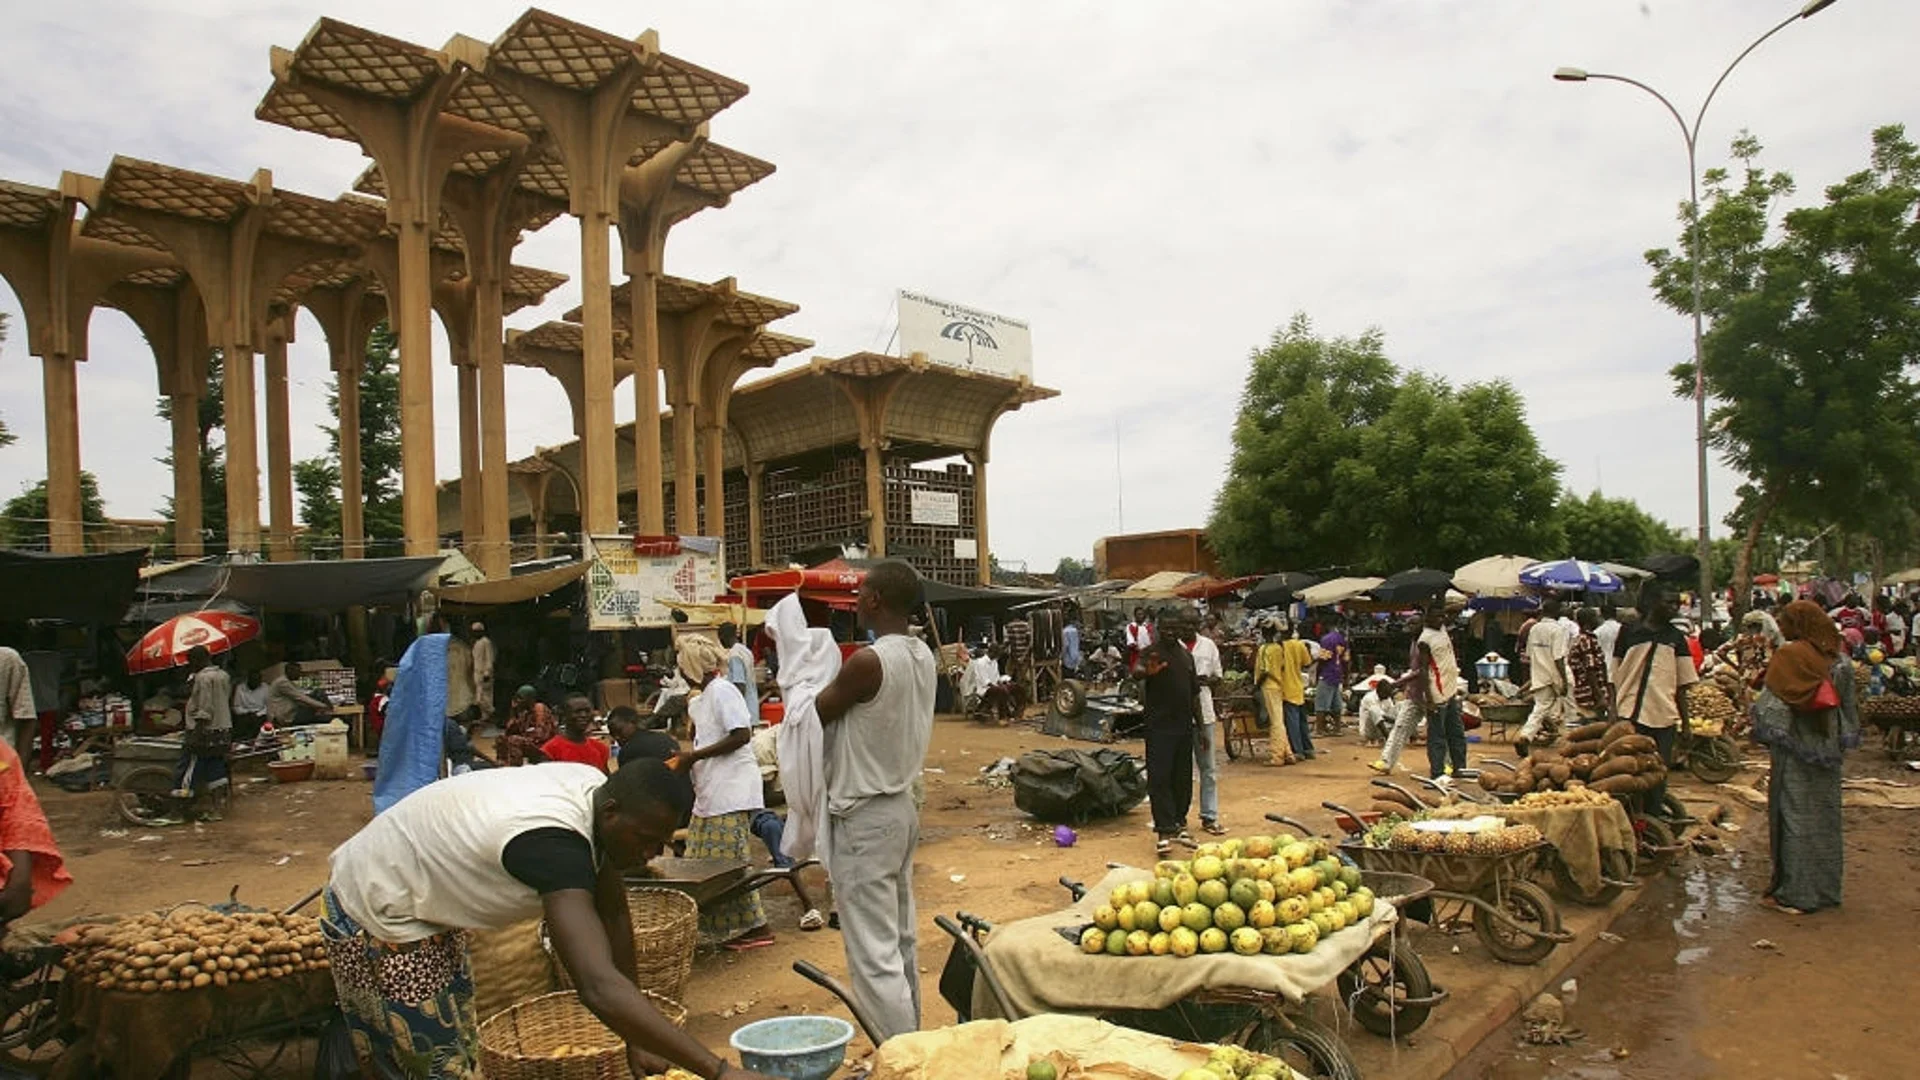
(666, 927)
(509, 966)
(554, 1037)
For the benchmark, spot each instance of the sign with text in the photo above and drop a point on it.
(936, 507)
(963, 337)
(625, 587)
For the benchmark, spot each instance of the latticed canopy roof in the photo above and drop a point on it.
(23, 206)
(678, 295)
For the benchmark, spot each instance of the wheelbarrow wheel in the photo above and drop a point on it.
(144, 796)
(1615, 864)
(1714, 760)
(1379, 985)
(1656, 844)
(1308, 1049)
(1527, 905)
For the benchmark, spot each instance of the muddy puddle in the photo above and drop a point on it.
(1631, 1001)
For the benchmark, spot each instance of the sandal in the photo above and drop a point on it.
(1183, 837)
(742, 944)
(1771, 904)
(1163, 846)
(1214, 827)
(812, 920)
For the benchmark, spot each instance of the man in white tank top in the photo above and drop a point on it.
(878, 716)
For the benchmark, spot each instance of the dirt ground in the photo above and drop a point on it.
(1705, 982)
(979, 854)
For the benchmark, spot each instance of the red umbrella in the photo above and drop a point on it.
(166, 646)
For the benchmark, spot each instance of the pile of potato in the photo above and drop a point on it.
(1578, 794)
(1710, 707)
(1608, 758)
(194, 949)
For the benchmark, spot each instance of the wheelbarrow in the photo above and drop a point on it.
(713, 881)
(1515, 919)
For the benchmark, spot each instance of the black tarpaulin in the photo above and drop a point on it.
(330, 586)
(76, 588)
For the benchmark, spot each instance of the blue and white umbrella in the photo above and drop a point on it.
(1570, 575)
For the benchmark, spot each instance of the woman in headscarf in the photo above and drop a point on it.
(726, 788)
(1807, 720)
(529, 725)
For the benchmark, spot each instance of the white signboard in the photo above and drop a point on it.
(965, 337)
(624, 589)
(936, 507)
(966, 549)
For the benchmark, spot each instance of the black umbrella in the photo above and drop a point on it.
(1672, 567)
(1277, 590)
(1412, 586)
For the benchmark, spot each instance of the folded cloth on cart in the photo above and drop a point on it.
(1043, 972)
(133, 1036)
(996, 1049)
(1579, 832)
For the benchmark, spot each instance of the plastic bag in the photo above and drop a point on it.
(1076, 786)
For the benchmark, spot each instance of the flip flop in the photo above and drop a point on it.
(1214, 827)
(812, 920)
(744, 944)
(1771, 904)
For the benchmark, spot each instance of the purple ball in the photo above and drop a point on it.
(1064, 836)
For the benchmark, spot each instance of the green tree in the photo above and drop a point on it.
(1614, 530)
(1307, 403)
(318, 479)
(24, 520)
(1072, 571)
(210, 417)
(1816, 323)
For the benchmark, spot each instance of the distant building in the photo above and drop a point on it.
(1141, 555)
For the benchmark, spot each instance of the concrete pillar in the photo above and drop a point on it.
(470, 494)
(983, 564)
(600, 514)
(66, 532)
(496, 554)
(353, 516)
(686, 471)
(188, 515)
(876, 501)
(756, 480)
(279, 454)
(713, 451)
(649, 480)
(243, 452)
(418, 510)
(538, 503)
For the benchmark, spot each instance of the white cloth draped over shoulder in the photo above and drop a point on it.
(809, 660)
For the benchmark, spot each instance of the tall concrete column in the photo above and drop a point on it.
(243, 450)
(66, 532)
(983, 564)
(649, 479)
(876, 500)
(470, 493)
(188, 514)
(496, 554)
(419, 511)
(353, 511)
(713, 450)
(756, 480)
(686, 471)
(279, 454)
(600, 515)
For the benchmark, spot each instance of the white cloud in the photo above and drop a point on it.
(1154, 187)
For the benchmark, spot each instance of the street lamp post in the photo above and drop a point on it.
(1691, 135)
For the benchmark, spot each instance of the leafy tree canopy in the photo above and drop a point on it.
(23, 522)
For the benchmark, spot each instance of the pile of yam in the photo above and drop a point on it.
(1609, 758)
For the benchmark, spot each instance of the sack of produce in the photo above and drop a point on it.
(1076, 786)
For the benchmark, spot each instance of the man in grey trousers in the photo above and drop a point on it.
(878, 717)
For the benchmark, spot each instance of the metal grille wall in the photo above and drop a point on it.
(929, 547)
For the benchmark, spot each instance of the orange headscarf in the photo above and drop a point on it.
(1804, 662)
(23, 827)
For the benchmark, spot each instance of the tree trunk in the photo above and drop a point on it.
(1743, 562)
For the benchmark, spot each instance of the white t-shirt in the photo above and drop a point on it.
(1206, 663)
(1373, 711)
(1442, 687)
(431, 863)
(1547, 645)
(731, 782)
(1608, 633)
(980, 674)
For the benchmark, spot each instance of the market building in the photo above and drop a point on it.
(833, 455)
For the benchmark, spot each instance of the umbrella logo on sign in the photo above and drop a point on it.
(971, 332)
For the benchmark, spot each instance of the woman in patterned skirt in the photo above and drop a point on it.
(727, 791)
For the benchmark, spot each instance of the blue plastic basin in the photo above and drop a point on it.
(794, 1047)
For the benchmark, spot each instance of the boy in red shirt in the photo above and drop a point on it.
(572, 743)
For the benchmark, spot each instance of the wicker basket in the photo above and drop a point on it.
(519, 1044)
(509, 966)
(666, 927)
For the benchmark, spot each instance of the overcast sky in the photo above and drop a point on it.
(1153, 187)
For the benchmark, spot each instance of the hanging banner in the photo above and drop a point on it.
(625, 588)
(964, 337)
(935, 507)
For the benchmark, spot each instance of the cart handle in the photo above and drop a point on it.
(812, 974)
(1500, 763)
(1354, 814)
(981, 967)
(1282, 819)
(974, 922)
(303, 901)
(1383, 782)
(1077, 888)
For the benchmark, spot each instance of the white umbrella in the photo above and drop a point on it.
(1496, 575)
(1339, 590)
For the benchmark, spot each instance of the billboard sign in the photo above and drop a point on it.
(959, 336)
(625, 587)
(936, 507)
